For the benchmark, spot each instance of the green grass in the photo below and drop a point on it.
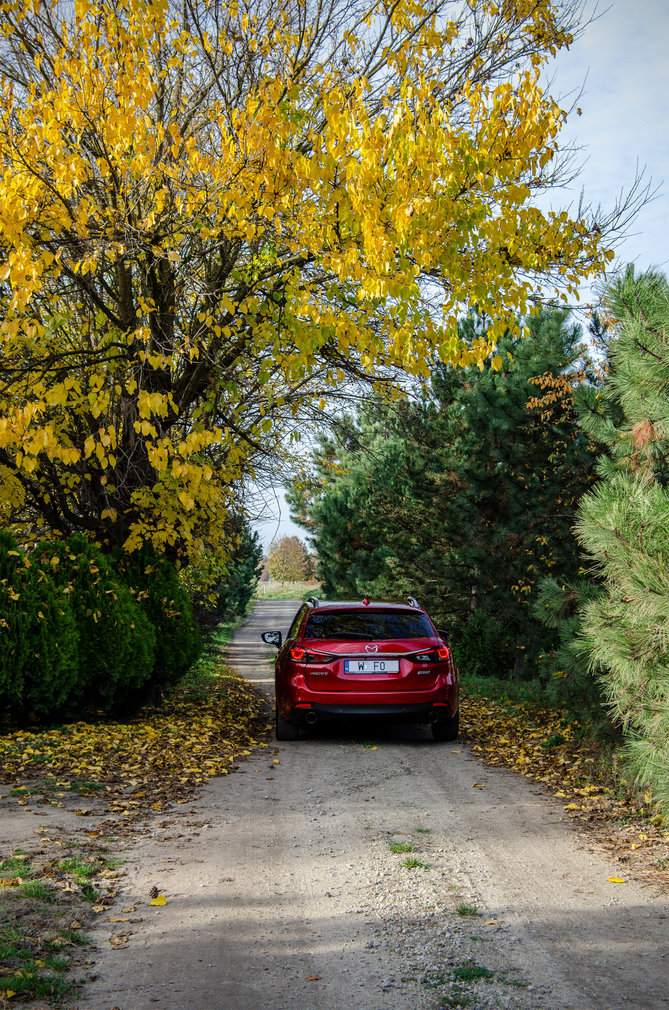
(202, 676)
(412, 863)
(400, 846)
(31, 985)
(79, 867)
(467, 910)
(470, 971)
(423, 831)
(15, 865)
(505, 690)
(39, 891)
(287, 590)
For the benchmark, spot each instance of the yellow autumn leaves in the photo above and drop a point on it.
(147, 763)
(209, 220)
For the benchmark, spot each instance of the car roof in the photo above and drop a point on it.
(359, 605)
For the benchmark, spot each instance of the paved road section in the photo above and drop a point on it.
(283, 892)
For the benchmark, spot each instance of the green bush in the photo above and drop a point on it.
(157, 589)
(116, 639)
(483, 647)
(39, 642)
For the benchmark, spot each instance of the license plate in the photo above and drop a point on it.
(371, 666)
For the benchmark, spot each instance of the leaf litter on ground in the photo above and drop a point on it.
(118, 772)
(545, 745)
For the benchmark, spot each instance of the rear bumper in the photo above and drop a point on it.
(424, 711)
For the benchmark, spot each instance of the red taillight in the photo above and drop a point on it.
(434, 655)
(303, 656)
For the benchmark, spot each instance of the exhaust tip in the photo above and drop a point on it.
(311, 717)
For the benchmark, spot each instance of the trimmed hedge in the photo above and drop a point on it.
(116, 639)
(158, 591)
(38, 635)
(79, 632)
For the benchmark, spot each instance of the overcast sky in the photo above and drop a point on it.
(622, 64)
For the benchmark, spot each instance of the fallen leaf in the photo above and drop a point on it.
(159, 900)
(314, 978)
(118, 918)
(616, 880)
(492, 922)
(478, 785)
(572, 806)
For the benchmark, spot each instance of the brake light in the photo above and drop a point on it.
(302, 656)
(434, 655)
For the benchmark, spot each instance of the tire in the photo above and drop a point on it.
(286, 730)
(447, 728)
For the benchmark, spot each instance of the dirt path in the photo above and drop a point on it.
(283, 892)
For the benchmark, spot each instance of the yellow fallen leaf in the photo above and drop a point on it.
(616, 880)
(8, 993)
(492, 922)
(118, 918)
(160, 900)
(276, 761)
(456, 752)
(572, 806)
(478, 785)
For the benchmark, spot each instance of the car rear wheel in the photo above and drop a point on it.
(447, 728)
(286, 730)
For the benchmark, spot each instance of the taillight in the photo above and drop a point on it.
(433, 655)
(302, 656)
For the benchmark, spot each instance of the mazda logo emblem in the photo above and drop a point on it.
(371, 648)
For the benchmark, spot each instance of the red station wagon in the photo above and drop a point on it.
(364, 659)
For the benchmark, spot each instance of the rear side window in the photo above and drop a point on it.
(292, 631)
(376, 625)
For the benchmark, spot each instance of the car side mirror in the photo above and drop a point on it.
(272, 638)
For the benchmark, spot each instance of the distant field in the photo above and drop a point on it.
(287, 590)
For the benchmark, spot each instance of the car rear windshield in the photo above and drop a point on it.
(374, 625)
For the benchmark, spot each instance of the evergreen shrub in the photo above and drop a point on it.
(164, 601)
(116, 639)
(39, 670)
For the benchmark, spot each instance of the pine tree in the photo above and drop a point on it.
(623, 525)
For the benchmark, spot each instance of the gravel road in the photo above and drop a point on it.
(283, 889)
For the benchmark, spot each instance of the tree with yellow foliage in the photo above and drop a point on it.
(214, 211)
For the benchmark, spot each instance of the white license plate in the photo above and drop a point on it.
(371, 666)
